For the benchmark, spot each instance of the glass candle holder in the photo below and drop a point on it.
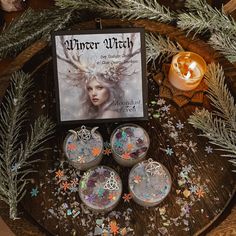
(129, 144)
(187, 70)
(83, 147)
(100, 189)
(149, 183)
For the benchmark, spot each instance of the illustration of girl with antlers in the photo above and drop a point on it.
(100, 82)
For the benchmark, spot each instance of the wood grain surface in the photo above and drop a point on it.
(183, 212)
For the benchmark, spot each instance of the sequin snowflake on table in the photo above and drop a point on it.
(127, 197)
(107, 144)
(190, 145)
(34, 192)
(169, 151)
(166, 108)
(15, 167)
(179, 125)
(161, 102)
(107, 151)
(209, 149)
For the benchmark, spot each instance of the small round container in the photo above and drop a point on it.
(83, 147)
(100, 189)
(149, 183)
(129, 144)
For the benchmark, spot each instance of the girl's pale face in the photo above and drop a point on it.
(98, 94)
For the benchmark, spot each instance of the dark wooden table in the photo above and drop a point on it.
(203, 183)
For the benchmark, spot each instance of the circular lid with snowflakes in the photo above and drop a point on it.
(100, 188)
(129, 144)
(83, 147)
(149, 183)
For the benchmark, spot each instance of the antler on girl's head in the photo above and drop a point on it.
(113, 73)
(73, 58)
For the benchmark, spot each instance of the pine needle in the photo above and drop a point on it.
(15, 163)
(29, 27)
(224, 44)
(160, 48)
(220, 96)
(203, 17)
(215, 130)
(131, 9)
(218, 126)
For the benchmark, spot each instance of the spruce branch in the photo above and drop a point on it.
(218, 126)
(160, 48)
(220, 96)
(31, 26)
(215, 130)
(15, 154)
(203, 17)
(225, 44)
(131, 9)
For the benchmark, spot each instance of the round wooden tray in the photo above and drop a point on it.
(203, 183)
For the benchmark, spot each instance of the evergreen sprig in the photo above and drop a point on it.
(215, 130)
(131, 9)
(202, 17)
(15, 154)
(224, 44)
(159, 48)
(29, 27)
(218, 126)
(220, 96)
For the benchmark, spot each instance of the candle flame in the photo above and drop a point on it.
(190, 69)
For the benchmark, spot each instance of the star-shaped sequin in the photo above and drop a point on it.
(179, 125)
(114, 228)
(34, 192)
(71, 147)
(127, 197)
(126, 155)
(193, 188)
(96, 151)
(208, 149)
(137, 179)
(65, 185)
(107, 151)
(59, 174)
(129, 146)
(200, 192)
(169, 151)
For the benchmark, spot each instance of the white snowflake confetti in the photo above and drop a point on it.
(166, 108)
(179, 125)
(161, 102)
(209, 149)
(169, 151)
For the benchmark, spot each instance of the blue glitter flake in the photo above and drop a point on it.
(69, 212)
(34, 192)
(169, 151)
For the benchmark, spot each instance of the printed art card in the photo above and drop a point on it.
(100, 75)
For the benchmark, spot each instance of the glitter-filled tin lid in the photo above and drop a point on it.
(100, 188)
(149, 183)
(83, 147)
(130, 143)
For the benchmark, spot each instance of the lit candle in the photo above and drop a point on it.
(187, 70)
